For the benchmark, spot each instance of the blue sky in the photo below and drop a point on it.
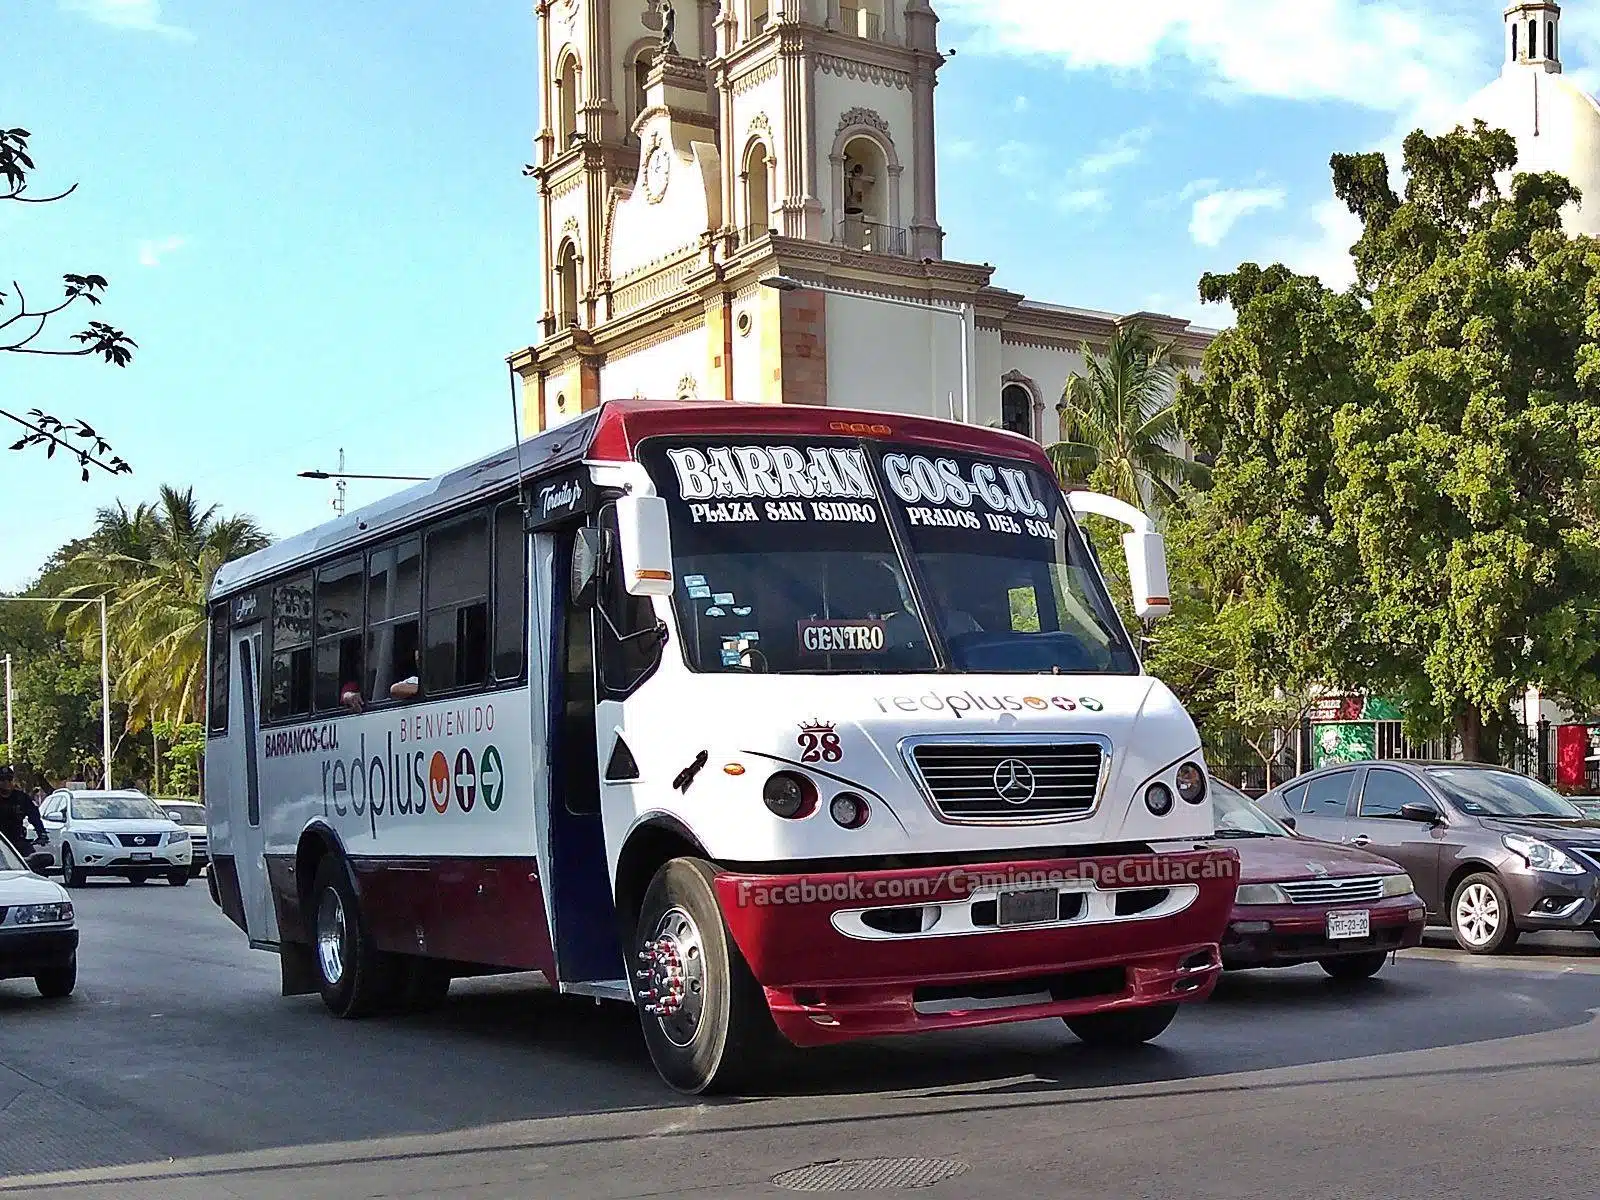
(315, 225)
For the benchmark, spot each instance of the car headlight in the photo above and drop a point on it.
(178, 835)
(1542, 856)
(40, 914)
(1191, 783)
(1261, 893)
(103, 838)
(1398, 885)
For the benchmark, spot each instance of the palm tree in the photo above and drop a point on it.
(1119, 422)
(156, 564)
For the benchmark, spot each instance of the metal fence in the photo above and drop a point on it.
(1285, 753)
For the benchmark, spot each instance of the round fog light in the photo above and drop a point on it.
(788, 795)
(848, 811)
(1158, 799)
(1191, 783)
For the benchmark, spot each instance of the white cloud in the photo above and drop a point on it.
(1198, 187)
(1020, 104)
(153, 250)
(1079, 200)
(141, 15)
(959, 148)
(1325, 253)
(1406, 57)
(1015, 160)
(1119, 152)
(1216, 213)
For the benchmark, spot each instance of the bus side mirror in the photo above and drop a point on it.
(1147, 574)
(645, 541)
(588, 557)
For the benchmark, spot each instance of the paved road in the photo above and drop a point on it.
(177, 1071)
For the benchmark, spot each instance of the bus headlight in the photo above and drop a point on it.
(1158, 799)
(788, 795)
(848, 810)
(1191, 783)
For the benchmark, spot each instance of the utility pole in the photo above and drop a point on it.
(11, 737)
(339, 486)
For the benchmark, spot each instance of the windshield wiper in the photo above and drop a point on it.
(1243, 833)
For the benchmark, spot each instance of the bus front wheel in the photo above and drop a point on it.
(355, 977)
(705, 1018)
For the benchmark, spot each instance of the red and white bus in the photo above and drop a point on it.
(780, 723)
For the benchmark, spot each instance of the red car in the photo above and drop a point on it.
(1302, 901)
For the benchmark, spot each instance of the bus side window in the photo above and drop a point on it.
(510, 592)
(340, 615)
(289, 694)
(455, 626)
(217, 697)
(623, 664)
(394, 608)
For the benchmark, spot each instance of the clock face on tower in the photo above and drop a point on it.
(657, 168)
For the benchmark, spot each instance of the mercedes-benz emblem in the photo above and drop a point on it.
(1014, 781)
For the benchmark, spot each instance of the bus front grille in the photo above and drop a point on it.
(1010, 783)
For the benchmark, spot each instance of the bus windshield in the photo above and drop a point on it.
(829, 557)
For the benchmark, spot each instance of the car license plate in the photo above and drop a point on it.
(141, 856)
(1029, 906)
(1357, 924)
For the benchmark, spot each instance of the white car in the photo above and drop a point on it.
(38, 931)
(192, 816)
(114, 833)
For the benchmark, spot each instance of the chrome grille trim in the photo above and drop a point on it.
(955, 772)
(1356, 889)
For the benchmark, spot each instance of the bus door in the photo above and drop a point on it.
(578, 882)
(245, 825)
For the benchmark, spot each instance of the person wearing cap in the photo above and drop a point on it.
(17, 810)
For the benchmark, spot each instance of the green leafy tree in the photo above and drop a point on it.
(156, 562)
(1406, 472)
(1119, 425)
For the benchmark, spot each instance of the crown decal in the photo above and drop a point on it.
(816, 725)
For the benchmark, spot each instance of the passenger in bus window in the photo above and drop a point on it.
(408, 684)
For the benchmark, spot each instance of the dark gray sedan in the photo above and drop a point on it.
(1493, 854)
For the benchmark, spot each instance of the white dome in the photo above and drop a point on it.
(1556, 123)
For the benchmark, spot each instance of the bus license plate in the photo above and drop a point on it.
(1030, 906)
(140, 856)
(1356, 924)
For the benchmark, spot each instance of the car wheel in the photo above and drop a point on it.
(705, 1019)
(71, 876)
(1351, 967)
(179, 877)
(424, 985)
(1480, 915)
(138, 879)
(1122, 1028)
(58, 982)
(356, 978)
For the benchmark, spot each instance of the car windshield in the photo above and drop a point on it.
(185, 814)
(820, 558)
(10, 860)
(1237, 816)
(115, 808)
(1481, 793)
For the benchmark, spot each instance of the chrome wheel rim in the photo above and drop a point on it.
(1477, 914)
(671, 979)
(331, 936)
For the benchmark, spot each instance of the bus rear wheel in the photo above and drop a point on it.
(355, 977)
(705, 1018)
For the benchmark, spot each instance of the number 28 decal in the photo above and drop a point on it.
(819, 743)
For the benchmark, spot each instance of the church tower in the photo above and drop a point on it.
(1533, 35)
(739, 202)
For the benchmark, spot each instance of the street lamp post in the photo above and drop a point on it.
(341, 475)
(788, 283)
(105, 674)
(11, 737)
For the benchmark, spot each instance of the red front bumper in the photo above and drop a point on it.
(1284, 935)
(824, 986)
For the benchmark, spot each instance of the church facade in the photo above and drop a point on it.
(691, 150)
